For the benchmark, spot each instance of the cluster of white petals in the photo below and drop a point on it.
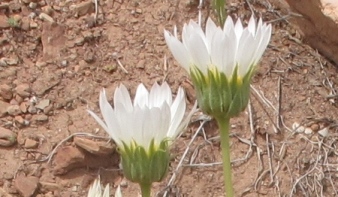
(224, 48)
(152, 115)
(96, 190)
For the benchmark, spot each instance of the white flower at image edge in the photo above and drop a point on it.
(95, 190)
(152, 116)
(224, 48)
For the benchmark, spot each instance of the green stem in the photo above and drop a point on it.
(145, 189)
(220, 8)
(224, 126)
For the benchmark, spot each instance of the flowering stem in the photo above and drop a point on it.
(219, 6)
(145, 189)
(224, 126)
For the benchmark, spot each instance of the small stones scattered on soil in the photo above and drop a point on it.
(56, 55)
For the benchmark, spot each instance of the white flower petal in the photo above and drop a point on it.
(229, 55)
(118, 192)
(217, 49)
(177, 111)
(228, 25)
(265, 38)
(95, 190)
(98, 120)
(111, 126)
(186, 121)
(141, 96)
(198, 52)
(106, 191)
(252, 25)
(210, 31)
(127, 123)
(245, 52)
(178, 50)
(121, 95)
(159, 94)
(194, 28)
(238, 28)
(166, 92)
(141, 117)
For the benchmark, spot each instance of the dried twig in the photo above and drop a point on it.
(179, 165)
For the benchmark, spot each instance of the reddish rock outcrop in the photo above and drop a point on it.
(319, 24)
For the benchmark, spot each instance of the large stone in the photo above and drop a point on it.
(3, 108)
(26, 185)
(319, 24)
(70, 157)
(7, 137)
(53, 41)
(3, 21)
(95, 147)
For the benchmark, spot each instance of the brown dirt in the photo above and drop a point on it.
(51, 73)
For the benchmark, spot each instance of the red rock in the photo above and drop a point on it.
(26, 185)
(6, 92)
(95, 147)
(4, 193)
(3, 108)
(3, 21)
(7, 137)
(14, 110)
(53, 41)
(23, 90)
(29, 143)
(68, 158)
(318, 24)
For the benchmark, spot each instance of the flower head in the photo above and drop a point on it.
(227, 48)
(152, 116)
(221, 61)
(144, 128)
(96, 190)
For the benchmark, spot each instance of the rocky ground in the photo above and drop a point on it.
(56, 56)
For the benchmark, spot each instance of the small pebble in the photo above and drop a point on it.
(297, 128)
(315, 127)
(324, 132)
(32, 5)
(64, 63)
(46, 17)
(29, 143)
(308, 131)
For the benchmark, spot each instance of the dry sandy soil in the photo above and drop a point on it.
(56, 56)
